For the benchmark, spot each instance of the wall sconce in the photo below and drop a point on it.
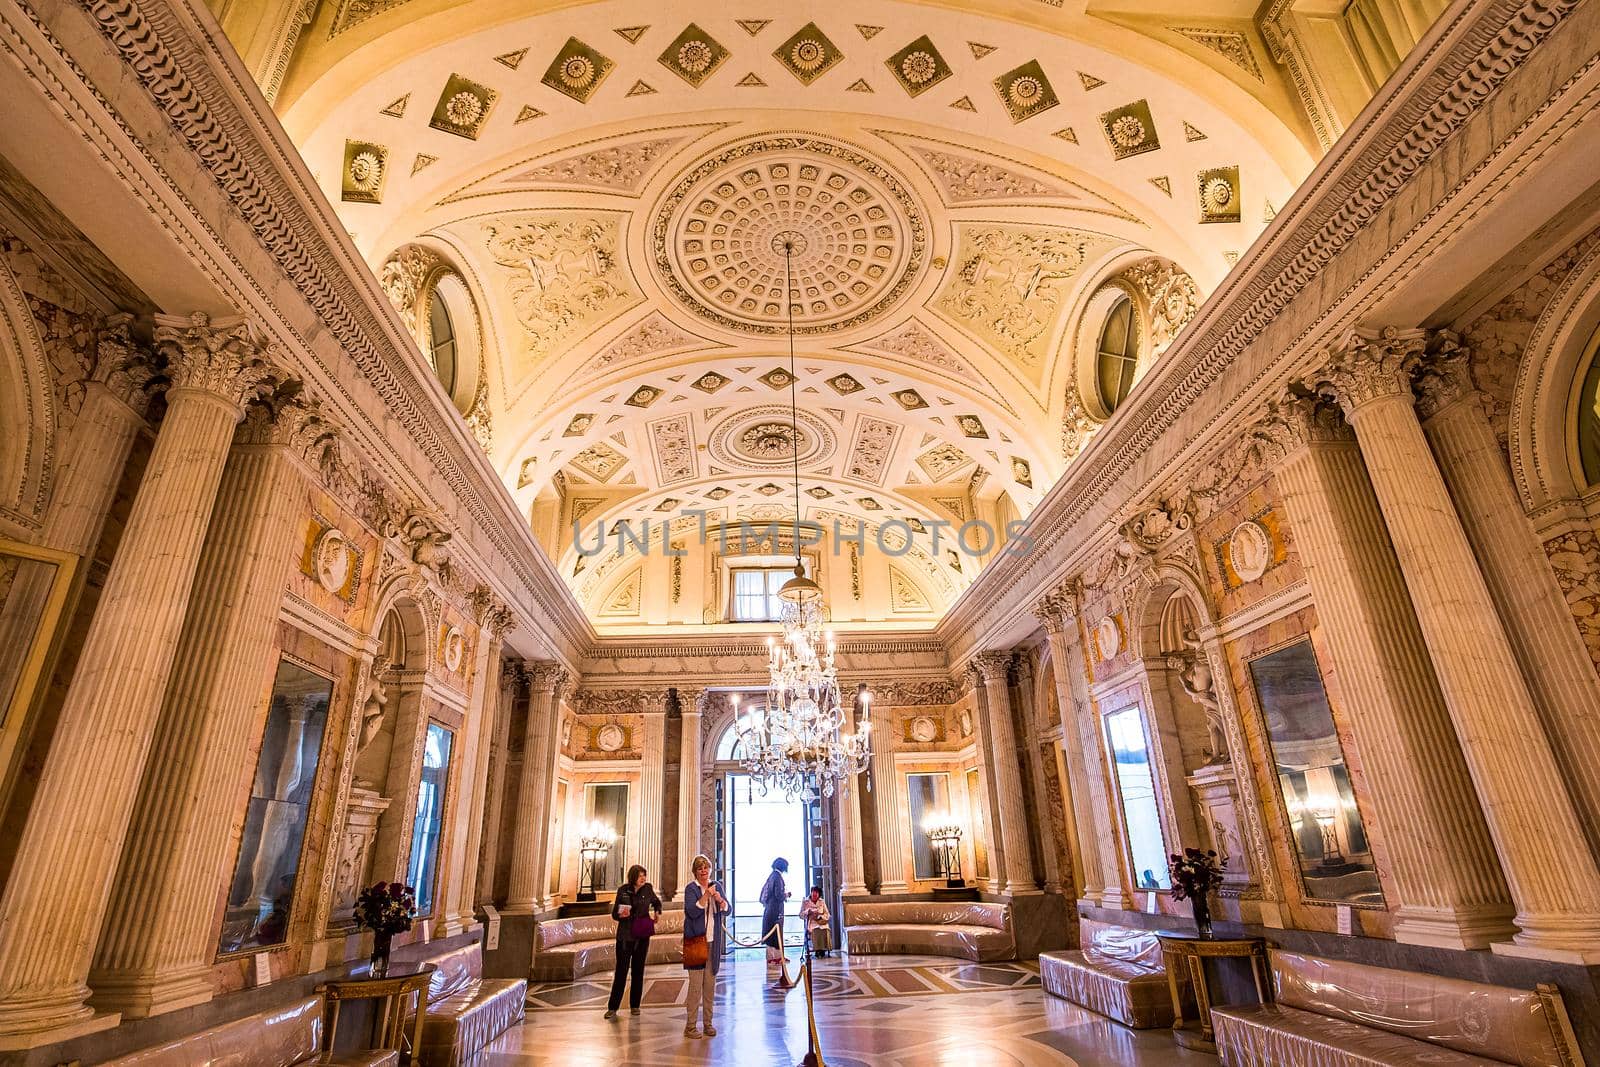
(594, 841)
(945, 834)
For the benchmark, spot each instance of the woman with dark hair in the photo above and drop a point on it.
(773, 894)
(635, 910)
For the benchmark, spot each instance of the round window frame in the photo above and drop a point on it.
(461, 305)
(1091, 324)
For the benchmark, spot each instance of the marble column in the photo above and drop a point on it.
(1049, 863)
(894, 835)
(1552, 876)
(1116, 891)
(525, 890)
(177, 850)
(647, 840)
(1055, 612)
(62, 879)
(1420, 788)
(548, 850)
(994, 670)
(692, 701)
(853, 876)
(1533, 609)
(465, 832)
(511, 678)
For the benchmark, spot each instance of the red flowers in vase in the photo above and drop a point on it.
(386, 908)
(1194, 875)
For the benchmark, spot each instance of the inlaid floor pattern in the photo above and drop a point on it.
(876, 1011)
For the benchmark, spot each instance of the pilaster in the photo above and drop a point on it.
(526, 889)
(652, 782)
(1055, 611)
(1015, 866)
(692, 702)
(893, 833)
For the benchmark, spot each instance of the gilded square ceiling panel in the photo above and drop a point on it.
(694, 56)
(1219, 194)
(463, 107)
(809, 54)
(918, 66)
(366, 165)
(1130, 130)
(577, 71)
(1025, 91)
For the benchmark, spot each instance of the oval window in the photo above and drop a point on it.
(1118, 354)
(442, 340)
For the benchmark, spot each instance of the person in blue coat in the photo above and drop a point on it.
(773, 895)
(703, 909)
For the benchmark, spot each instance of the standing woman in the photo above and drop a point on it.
(636, 909)
(773, 894)
(703, 909)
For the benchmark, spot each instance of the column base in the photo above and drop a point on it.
(1586, 957)
(1442, 928)
(854, 889)
(1015, 890)
(890, 888)
(522, 907)
(452, 925)
(142, 996)
(13, 1041)
(1558, 939)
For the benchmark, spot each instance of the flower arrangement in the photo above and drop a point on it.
(386, 908)
(1194, 875)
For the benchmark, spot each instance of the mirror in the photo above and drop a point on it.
(1324, 823)
(261, 893)
(606, 804)
(1130, 759)
(929, 803)
(422, 870)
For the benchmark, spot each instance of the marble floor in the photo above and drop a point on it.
(875, 1011)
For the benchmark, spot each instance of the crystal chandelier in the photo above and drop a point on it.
(795, 740)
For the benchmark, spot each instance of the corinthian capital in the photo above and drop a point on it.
(1057, 608)
(122, 364)
(288, 418)
(1297, 419)
(992, 667)
(547, 677)
(224, 357)
(1443, 374)
(1365, 366)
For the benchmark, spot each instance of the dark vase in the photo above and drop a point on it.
(1202, 914)
(380, 953)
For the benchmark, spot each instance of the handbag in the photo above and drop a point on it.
(642, 925)
(696, 951)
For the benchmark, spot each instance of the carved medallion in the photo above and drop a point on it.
(610, 737)
(1250, 550)
(923, 729)
(843, 226)
(763, 438)
(1108, 638)
(330, 558)
(455, 647)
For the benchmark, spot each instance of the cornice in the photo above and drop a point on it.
(1440, 87)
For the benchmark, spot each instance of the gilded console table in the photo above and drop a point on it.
(1190, 952)
(393, 990)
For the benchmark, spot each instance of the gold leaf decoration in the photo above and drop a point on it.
(463, 107)
(512, 59)
(578, 70)
(1025, 91)
(398, 108)
(808, 54)
(631, 34)
(980, 50)
(1130, 130)
(1218, 188)
(918, 66)
(752, 26)
(366, 165)
(694, 55)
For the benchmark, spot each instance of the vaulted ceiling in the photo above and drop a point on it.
(613, 183)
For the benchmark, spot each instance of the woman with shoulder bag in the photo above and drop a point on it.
(635, 910)
(703, 909)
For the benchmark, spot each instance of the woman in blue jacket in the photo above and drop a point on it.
(703, 909)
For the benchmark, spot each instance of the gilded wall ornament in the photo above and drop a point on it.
(463, 107)
(366, 166)
(709, 382)
(809, 54)
(940, 462)
(1025, 91)
(761, 438)
(872, 449)
(1108, 637)
(910, 399)
(1130, 130)
(694, 55)
(1229, 44)
(1219, 194)
(599, 461)
(918, 66)
(577, 71)
(854, 236)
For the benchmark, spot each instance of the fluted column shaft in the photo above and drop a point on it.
(1419, 789)
(1115, 892)
(61, 881)
(1552, 876)
(893, 833)
(689, 786)
(177, 851)
(1016, 857)
(549, 857)
(1049, 863)
(853, 881)
(1090, 874)
(531, 819)
(466, 830)
(499, 746)
(1555, 663)
(652, 787)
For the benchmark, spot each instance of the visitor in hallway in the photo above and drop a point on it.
(635, 910)
(703, 945)
(773, 894)
(814, 914)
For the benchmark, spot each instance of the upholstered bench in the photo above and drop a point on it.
(1329, 1013)
(980, 932)
(1116, 971)
(466, 1010)
(278, 1038)
(568, 949)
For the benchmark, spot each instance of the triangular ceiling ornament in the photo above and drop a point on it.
(398, 108)
(527, 114)
(858, 86)
(965, 104)
(631, 34)
(1090, 81)
(511, 59)
(422, 160)
(979, 50)
(1192, 134)
(752, 26)
(868, 32)
(1269, 213)
(641, 88)
(1163, 183)
(750, 81)
(1067, 135)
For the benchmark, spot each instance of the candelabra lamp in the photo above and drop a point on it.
(594, 842)
(946, 837)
